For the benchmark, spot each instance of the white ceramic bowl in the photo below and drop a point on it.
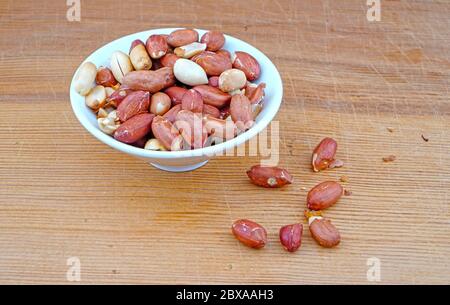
(179, 161)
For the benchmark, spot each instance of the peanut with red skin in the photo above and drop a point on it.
(152, 81)
(135, 128)
(324, 195)
(324, 232)
(135, 103)
(214, 40)
(291, 237)
(269, 176)
(166, 133)
(323, 154)
(211, 111)
(105, 77)
(191, 128)
(176, 94)
(172, 113)
(192, 101)
(157, 46)
(182, 37)
(213, 96)
(169, 60)
(249, 233)
(248, 64)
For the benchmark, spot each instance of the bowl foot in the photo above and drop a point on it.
(179, 169)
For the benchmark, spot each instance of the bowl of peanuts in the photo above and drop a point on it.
(176, 97)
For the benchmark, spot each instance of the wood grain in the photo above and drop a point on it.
(64, 194)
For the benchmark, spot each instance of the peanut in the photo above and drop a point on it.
(231, 80)
(249, 233)
(135, 128)
(189, 73)
(191, 128)
(160, 103)
(96, 98)
(154, 144)
(120, 65)
(135, 103)
(167, 134)
(84, 79)
(213, 96)
(152, 81)
(182, 37)
(105, 77)
(323, 154)
(140, 58)
(214, 40)
(291, 236)
(324, 195)
(269, 176)
(190, 50)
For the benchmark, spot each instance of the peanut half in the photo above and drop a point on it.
(120, 65)
(96, 98)
(291, 236)
(135, 128)
(190, 50)
(105, 77)
(248, 64)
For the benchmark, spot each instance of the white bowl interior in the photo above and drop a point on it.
(269, 75)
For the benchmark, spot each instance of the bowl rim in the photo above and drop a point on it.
(199, 152)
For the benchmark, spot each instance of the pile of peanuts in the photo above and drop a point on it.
(174, 92)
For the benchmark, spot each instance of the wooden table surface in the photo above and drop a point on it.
(65, 194)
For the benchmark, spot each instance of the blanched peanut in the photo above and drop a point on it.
(160, 103)
(120, 65)
(189, 73)
(154, 144)
(231, 80)
(190, 50)
(109, 124)
(84, 80)
(96, 98)
(139, 57)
